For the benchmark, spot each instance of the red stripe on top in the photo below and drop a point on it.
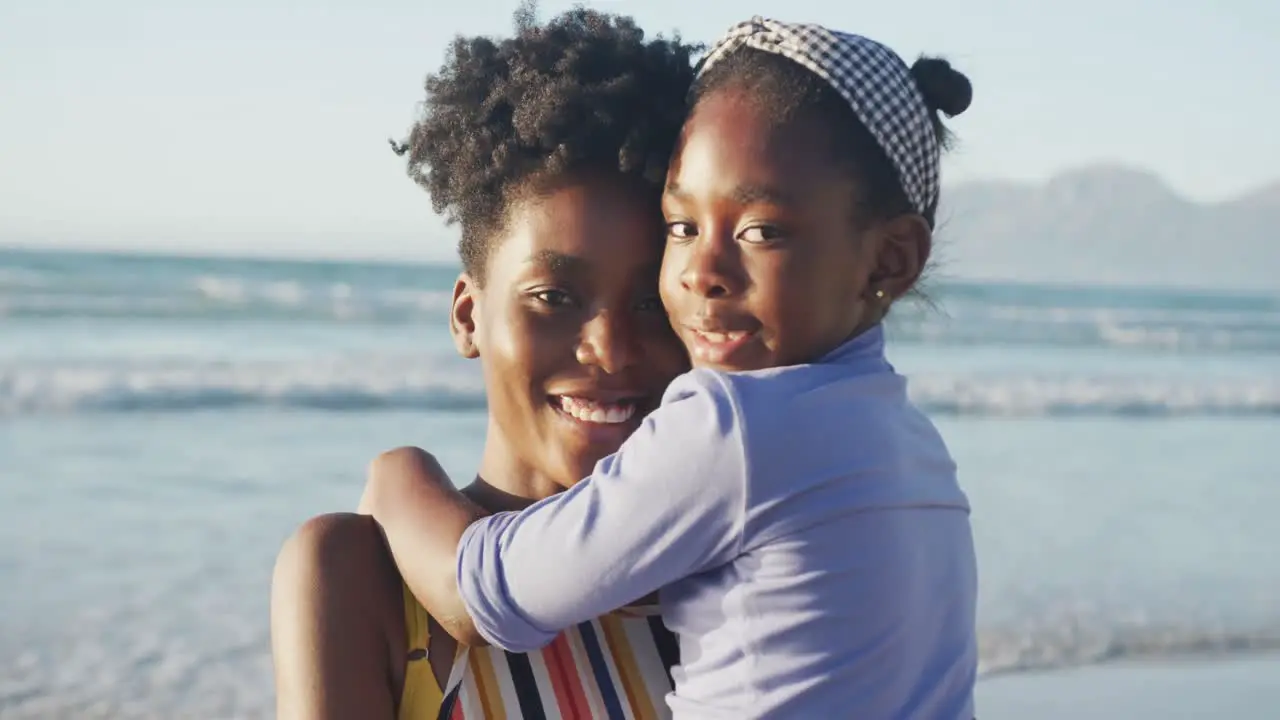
(570, 694)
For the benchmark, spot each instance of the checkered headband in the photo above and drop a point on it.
(874, 81)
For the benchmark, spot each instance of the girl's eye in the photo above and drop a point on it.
(653, 304)
(553, 298)
(681, 230)
(760, 234)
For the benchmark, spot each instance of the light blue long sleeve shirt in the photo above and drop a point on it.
(806, 529)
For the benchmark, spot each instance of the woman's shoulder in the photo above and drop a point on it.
(335, 578)
(331, 549)
(344, 554)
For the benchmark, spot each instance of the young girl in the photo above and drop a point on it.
(800, 516)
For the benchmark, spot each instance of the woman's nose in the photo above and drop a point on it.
(607, 342)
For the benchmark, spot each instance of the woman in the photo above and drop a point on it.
(549, 150)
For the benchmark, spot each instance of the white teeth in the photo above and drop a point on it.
(596, 412)
(717, 337)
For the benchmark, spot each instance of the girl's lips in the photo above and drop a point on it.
(709, 347)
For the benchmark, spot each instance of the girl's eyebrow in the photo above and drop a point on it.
(742, 194)
(748, 194)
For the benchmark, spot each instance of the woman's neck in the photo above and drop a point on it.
(495, 499)
(505, 482)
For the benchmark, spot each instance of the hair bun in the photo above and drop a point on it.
(943, 87)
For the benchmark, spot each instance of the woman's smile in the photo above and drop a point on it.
(603, 419)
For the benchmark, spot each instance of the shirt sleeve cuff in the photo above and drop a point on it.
(484, 592)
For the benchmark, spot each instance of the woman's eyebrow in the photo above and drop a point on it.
(558, 262)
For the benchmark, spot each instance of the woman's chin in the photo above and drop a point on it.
(579, 466)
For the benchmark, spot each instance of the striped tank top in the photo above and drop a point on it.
(616, 667)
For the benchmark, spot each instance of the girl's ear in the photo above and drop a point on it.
(904, 248)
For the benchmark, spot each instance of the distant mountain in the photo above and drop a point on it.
(1109, 225)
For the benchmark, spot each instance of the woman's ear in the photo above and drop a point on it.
(462, 317)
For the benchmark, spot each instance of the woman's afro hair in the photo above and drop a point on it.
(584, 92)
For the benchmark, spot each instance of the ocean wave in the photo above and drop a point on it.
(1075, 643)
(81, 287)
(366, 385)
(449, 385)
(1120, 328)
(1022, 396)
(219, 297)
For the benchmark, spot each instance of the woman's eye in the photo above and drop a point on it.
(553, 298)
(681, 230)
(758, 234)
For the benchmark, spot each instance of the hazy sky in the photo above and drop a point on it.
(231, 125)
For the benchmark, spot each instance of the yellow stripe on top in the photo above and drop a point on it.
(562, 680)
(421, 691)
(625, 660)
(647, 661)
(487, 691)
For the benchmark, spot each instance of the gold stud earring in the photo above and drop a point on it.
(879, 294)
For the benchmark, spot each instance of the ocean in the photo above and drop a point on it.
(166, 422)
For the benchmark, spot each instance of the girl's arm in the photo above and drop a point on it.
(670, 503)
(422, 516)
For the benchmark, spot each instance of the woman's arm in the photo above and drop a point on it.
(335, 637)
(670, 503)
